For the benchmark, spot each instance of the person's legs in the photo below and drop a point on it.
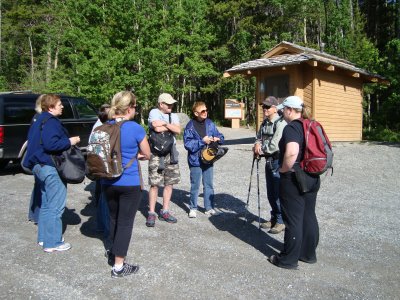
(128, 198)
(195, 177)
(54, 194)
(35, 202)
(171, 176)
(208, 188)
(153, 195)
(103, 214)
(293, 212)
(272, 178)
(310, 227)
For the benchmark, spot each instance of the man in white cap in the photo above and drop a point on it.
(162, 119)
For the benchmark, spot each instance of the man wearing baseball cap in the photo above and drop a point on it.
(162, 119)
(266, 144)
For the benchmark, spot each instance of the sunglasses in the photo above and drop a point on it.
(266, 106)
(202, 111)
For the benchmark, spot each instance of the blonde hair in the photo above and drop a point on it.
(120, 103)
(38, 104)
(197, 104)
(48, 101)
(305, 111)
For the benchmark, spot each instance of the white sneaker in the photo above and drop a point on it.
(212, 212)
(41, 243)
(192, 213)
(62, 247)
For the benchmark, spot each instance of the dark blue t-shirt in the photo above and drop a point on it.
(293, 132)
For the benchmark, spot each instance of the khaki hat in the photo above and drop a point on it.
(166, 98)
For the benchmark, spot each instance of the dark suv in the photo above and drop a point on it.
(17, 110)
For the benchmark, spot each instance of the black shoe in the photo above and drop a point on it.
(308, 261)
(274, 260)
(126, 270)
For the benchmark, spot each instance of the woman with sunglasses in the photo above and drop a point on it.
(200, 132)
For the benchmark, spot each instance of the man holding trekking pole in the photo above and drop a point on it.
(266, 145)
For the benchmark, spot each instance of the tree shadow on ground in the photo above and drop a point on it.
(233, 221)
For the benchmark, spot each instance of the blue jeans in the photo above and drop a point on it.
(204, 172)
(35, 203)
(103, 214)
(54, 197)
(272, 177)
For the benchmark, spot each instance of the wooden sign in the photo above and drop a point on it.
(233, 109)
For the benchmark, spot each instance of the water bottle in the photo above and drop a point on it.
(114, 164)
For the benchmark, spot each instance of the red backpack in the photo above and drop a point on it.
(317, 154)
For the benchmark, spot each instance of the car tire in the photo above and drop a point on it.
(3, 163)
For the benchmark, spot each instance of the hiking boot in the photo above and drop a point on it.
(151, 220)
(126, 270)
(212, 212)
(192, 213)
(167, 217)
(278, 227)
(62, 247)
(267, 224)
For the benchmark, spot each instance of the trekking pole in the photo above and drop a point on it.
(258, 194)
(248, 194)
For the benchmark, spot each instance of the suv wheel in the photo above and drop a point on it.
(4, 163)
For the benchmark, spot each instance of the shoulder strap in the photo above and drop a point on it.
(41, 128)
(169, 115)
(276, 122)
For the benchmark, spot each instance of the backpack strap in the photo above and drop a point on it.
(41, 128)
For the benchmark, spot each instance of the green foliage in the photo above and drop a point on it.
(382, 135)
(96, 48)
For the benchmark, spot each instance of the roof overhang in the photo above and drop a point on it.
(286, 54)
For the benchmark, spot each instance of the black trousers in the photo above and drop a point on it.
(123, 202)
(298, 212)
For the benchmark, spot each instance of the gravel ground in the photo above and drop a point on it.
(218, 257)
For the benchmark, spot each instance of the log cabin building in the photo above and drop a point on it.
(331, 87)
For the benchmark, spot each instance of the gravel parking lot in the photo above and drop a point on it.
(218, 257)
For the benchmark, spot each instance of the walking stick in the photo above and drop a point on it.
(258, 194)
(248, 194)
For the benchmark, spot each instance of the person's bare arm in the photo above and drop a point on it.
(291, 152)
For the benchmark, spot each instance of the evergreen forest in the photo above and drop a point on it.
(94, 48)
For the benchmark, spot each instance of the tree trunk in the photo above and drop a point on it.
(48, 65)
(305, 31)
(56, 58)
(32, 62)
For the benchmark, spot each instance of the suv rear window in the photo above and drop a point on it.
(84, 109)
(19, 112)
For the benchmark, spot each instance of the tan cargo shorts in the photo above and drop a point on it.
(169, 176)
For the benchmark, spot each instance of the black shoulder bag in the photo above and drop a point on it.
(70, 164)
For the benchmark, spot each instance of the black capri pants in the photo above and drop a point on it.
(123, 202)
